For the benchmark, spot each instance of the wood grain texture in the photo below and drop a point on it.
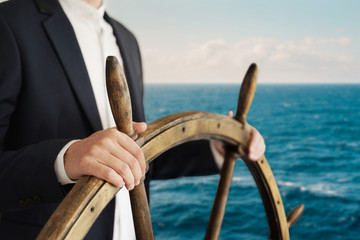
(71, 208)
(271, 198)
(119, 97)
(78, 211)
(222, 193)
(171, 131)
(245, 98)
(247, 92)
(141, 216)
(295, 214)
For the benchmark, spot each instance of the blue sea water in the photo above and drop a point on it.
(312, 134)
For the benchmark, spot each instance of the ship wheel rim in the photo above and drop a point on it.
(235, 133)
(80, 208)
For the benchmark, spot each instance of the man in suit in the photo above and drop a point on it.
(54, 121)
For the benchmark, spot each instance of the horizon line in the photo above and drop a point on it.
(260, 83)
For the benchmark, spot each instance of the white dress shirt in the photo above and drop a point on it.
(97, 41)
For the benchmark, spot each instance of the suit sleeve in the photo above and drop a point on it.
(189, 159)
(27, 175)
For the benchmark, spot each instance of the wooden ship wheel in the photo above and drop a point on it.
(78, 211)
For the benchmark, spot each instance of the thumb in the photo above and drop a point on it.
(139, 127)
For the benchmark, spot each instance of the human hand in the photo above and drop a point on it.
(256, 145)
(109, 155)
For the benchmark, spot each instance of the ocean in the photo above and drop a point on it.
(312, 135)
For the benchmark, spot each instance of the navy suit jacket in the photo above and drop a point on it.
(46, 100)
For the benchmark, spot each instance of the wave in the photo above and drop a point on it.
(322, 189)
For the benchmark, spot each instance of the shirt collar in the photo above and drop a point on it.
(84, 10)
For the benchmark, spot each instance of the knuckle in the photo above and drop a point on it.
(105, 141)
(93, 150)
(118, 182)
(133, 163)
(124, 169)
(139, 153)
(108, 174)
(113, 132)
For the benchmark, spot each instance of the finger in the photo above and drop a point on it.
(230, 114)
(256, 145)
(106, 173)
(134, 149)
(119, 167)
(139, 127)
(257, 153)
(253, 139)
(258, 150)
(219, 147)
(130, 146)
(114, 154)
(132, 163)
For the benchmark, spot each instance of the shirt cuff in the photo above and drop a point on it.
(219, 159)
(59, 165)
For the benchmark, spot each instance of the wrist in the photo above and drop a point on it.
(59, 165)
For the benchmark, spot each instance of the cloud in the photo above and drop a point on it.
(304, 60)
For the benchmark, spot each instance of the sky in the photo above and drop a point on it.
(213, 41)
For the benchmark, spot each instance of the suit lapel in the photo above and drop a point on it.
(62, 36)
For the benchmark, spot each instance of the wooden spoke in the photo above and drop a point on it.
(119, 98)
(246, 96)
(80, 208)
(218, 211)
